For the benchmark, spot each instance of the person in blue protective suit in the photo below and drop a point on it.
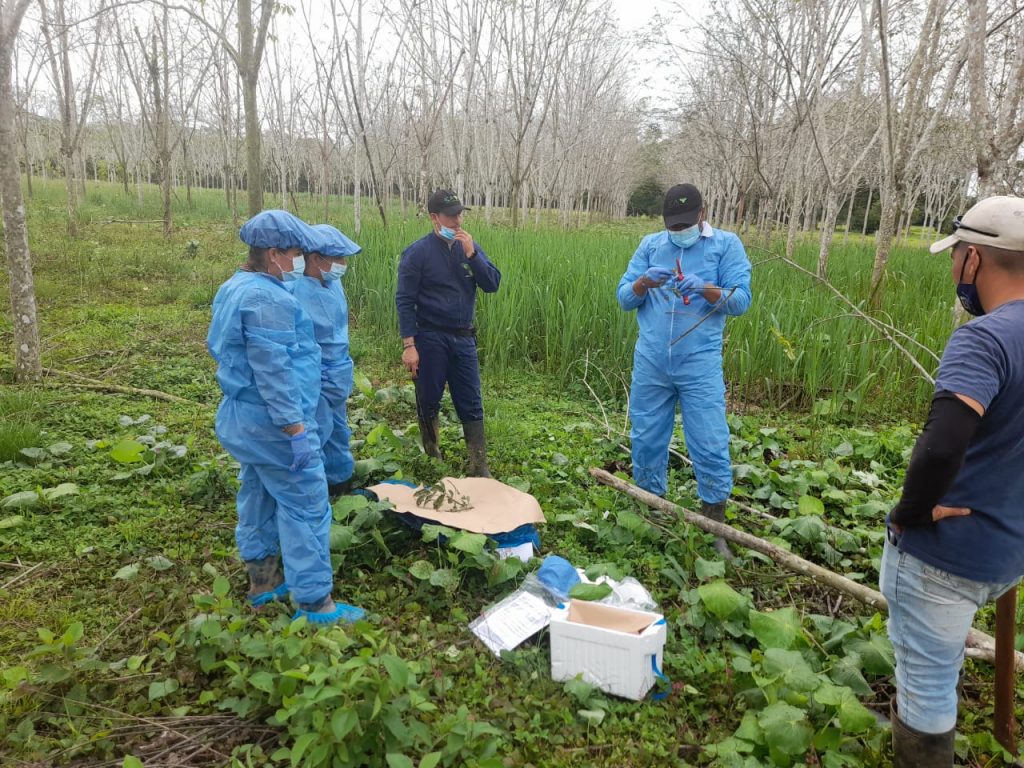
(955, 540)
(683, 282)
(437, 281)
(268, 367)
(320, 293)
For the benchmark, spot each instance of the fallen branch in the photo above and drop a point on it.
(84, 382)
(21, 576)
(981, 643)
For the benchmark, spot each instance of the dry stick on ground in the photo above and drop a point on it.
(84, 382)
(21, 576)
(983, 644)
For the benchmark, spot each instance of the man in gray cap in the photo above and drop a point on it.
(956, 537)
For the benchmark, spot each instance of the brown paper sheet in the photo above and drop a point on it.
(496, 507)
(608, 617)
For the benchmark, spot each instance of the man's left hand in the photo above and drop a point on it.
(466, 239)
(690, 285)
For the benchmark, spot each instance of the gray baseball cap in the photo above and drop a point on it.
(997, 221)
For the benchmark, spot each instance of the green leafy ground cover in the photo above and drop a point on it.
(123, 636)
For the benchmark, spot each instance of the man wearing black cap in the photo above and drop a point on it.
(437, 281)
(956, 538)
(683, 281)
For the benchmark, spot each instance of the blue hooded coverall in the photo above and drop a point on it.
(689, 372)
(268, 367)
(327, 306)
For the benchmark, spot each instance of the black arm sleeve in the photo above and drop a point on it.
(937, 458)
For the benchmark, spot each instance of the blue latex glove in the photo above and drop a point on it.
(690, 285)
(655, 276)
(302, 451)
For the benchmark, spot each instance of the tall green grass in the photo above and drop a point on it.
(555, 312)
(18, 429)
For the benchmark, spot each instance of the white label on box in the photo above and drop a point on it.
(511, 622)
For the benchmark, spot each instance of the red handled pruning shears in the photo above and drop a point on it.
(679, 274)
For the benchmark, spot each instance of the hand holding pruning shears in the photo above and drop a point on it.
(655, 277)
(690, 285)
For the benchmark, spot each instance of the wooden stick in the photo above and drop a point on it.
(84, 382)
(22, 576)
(1006, 635)
(870, 597)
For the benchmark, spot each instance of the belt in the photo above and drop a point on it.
(443, 329)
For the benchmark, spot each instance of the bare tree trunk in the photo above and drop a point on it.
(27, 356)
(867, 211)
(253, 142)
(828, 228)
(883, 243)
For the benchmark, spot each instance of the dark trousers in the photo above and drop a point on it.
(448, 359)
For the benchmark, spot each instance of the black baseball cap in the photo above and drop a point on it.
(445, 201)
(683, 204)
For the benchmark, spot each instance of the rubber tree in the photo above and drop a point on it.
(27, 357)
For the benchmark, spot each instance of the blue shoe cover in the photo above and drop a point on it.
(268, 597)
(343, 612)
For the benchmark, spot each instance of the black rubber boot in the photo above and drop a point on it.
(429, 436)
(716, 512)
(914, 749)
(476, 447)
(339, 489)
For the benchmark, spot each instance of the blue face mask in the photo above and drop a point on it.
(336, 272)
(446, 233)
(968, 292)
(298, 268)
(684, 238)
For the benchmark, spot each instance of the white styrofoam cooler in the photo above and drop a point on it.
(617, 662)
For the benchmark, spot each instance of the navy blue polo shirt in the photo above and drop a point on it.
(437, 284)
(983, 360)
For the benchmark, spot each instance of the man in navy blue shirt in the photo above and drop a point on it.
(437, 281)
(956, 537)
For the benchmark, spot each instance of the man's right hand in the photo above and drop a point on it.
(656, 276)
(411, 359)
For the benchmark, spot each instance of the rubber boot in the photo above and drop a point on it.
(339, 489)
(914, 749)
(429, 435)
(716, 512)
(476, 447)
(266, 580)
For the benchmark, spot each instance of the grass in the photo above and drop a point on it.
(19, 412)
(555, 313)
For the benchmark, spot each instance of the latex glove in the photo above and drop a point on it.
(655, 276)
(690, 285)
(302, 451)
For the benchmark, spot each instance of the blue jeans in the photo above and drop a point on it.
(930, 613)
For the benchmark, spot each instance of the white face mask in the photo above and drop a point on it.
(298, 267)
(336, 272)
